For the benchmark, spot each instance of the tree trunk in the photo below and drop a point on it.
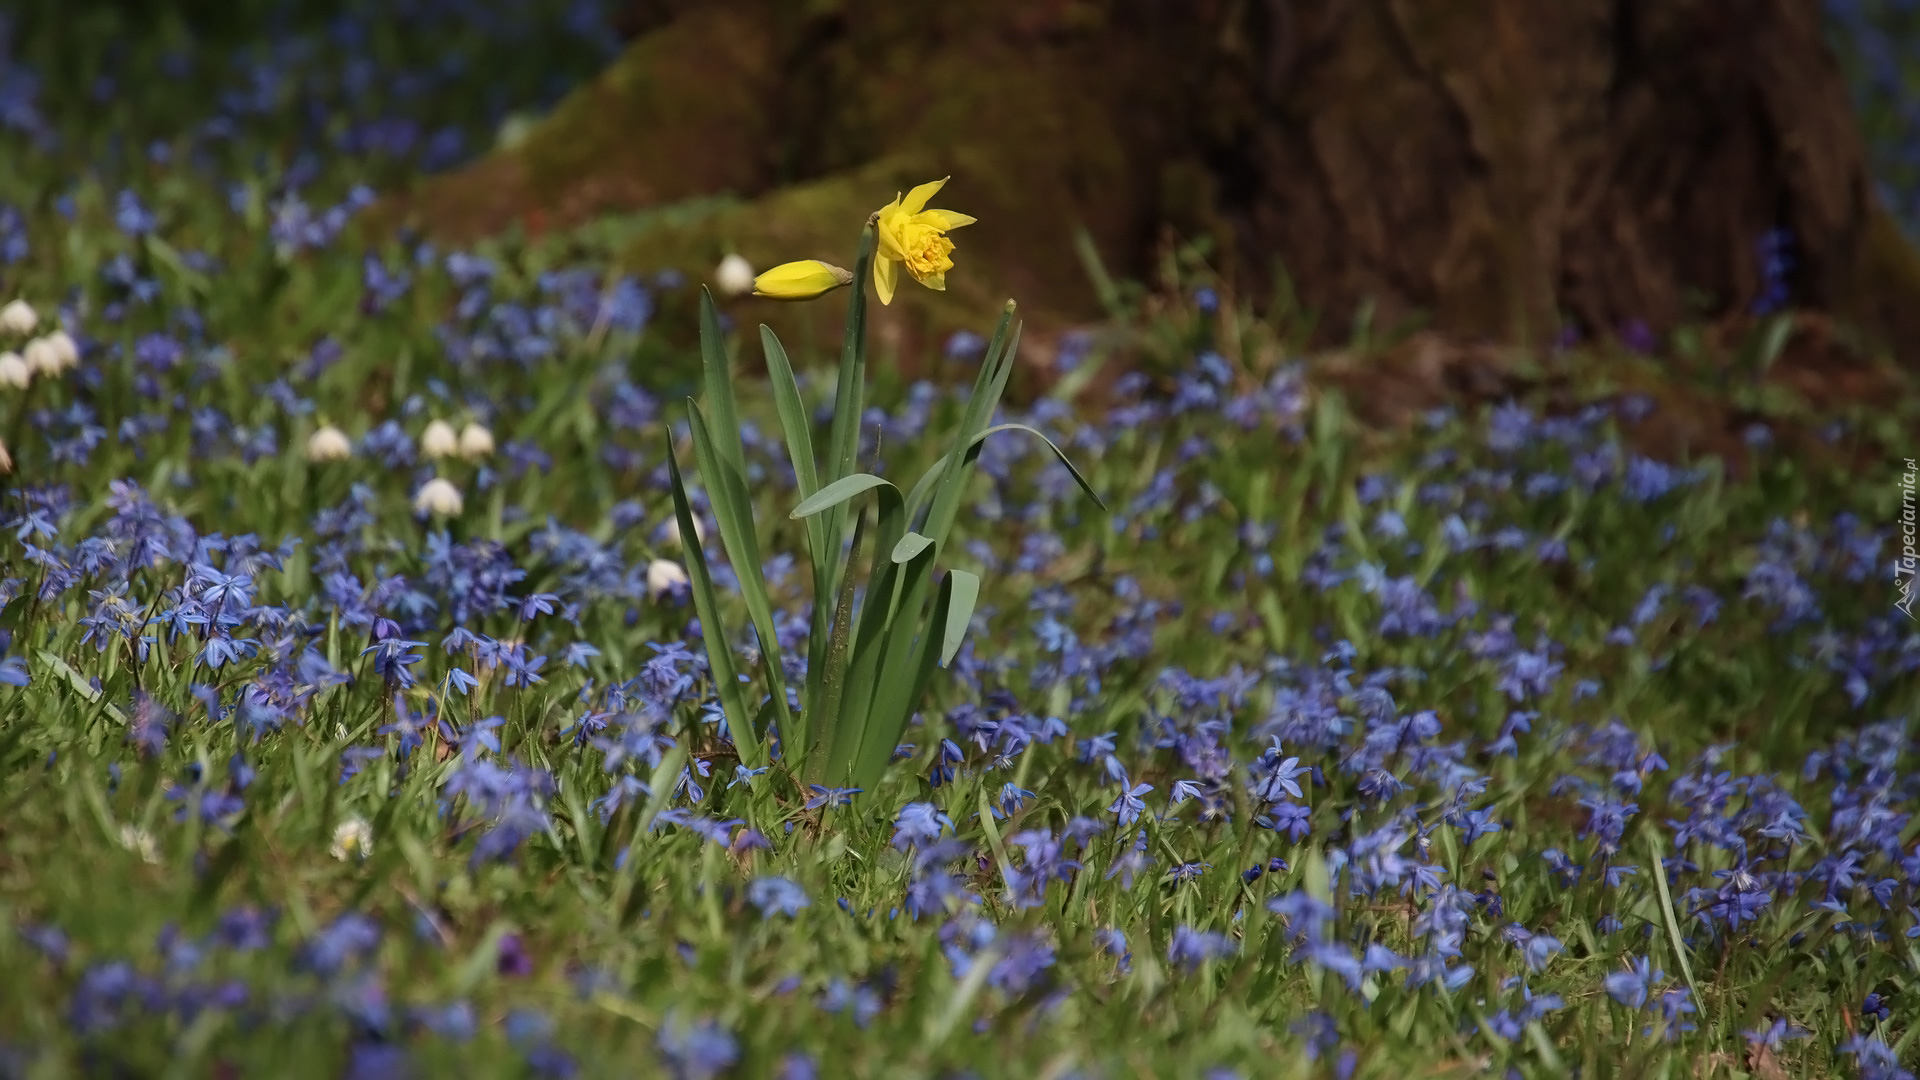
(1506, 169)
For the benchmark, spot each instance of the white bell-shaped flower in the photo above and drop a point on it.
(476, 442)
(329, 444)
(439, 440)
(734, 276)
(18, 317)
(438, 497)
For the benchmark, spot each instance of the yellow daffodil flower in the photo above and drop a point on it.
(801, 280)
(916, 238)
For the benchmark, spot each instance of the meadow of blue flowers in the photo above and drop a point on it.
(355, 719)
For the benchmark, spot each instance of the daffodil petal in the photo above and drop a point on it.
(937, 281)
(944, 219)
(886, 273)
(916, 199)
(889, 229)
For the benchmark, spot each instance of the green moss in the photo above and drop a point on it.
(702, 106)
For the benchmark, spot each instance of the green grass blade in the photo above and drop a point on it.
(966, 592)
(797, 426)
(718, 381)
(972, 419)
(832, 676)
(905, 672)
(869, 645)
(734, 511)
(847, 708)
(906, 635)
(927, 659)
(909, 546)
(844, 435)
(1672, 919)
(1096, 268)
(952, 484)
(712, 630)
(871, 632)
(924, 486)
(838, 492)
(849, 399)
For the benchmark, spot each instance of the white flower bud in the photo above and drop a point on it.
(14, 372)
(439, 497)
(438, 440)
(140, 842)
(671, 532)
(329, 444)
(664, 576)
(42, 357)
(734, 276)
(66, 351)
(476, 442)
(6, 459)
(18, 317)
(352, 838)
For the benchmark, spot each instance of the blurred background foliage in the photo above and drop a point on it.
(1878, 44)
(394, 80)
(81, 58)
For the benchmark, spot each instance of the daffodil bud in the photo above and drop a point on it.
(801, 280)
(18, 317)
(734, 275)
(329, 444)
(6, 459)
(664, 576)
(476, 442)
(439, 498)
(438, 441)
(14, 372)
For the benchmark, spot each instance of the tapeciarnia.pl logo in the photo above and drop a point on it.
(1904, 567)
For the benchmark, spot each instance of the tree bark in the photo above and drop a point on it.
(1505, 169)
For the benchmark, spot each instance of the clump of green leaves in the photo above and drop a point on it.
(871, 651)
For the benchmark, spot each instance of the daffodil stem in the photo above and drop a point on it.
(843, 445)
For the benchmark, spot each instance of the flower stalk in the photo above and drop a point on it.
(870, 662)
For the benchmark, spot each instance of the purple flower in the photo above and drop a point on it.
(454, 1021)
(1010, 800)
(1538, 948)
(1338, 959)
(1475, 824)
(829, 796)
(1129, 805)
(776, 895)
(1632, 986)
(698, 1050)
(348, 937)
(514, 960)
(1114, 944)
(919, 824)
(1187, 871)
(1193, 948)
(1023, 958)
(860, 1000)
(1774, 1034)
(1131, 863)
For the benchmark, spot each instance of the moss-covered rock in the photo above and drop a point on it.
(1507, 168)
